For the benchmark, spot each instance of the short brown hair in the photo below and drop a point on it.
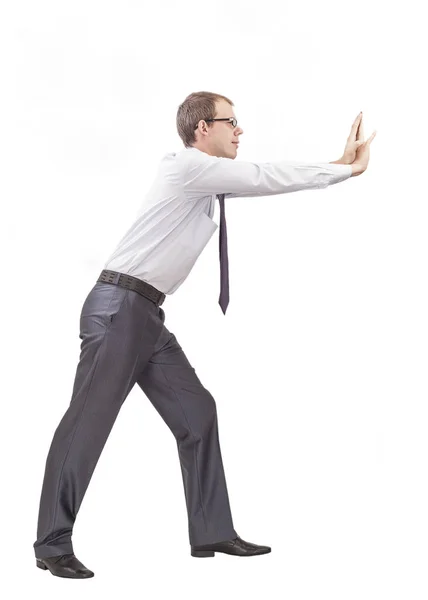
(197, 106)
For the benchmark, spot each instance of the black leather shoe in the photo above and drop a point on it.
(237, 547)
(66, 565)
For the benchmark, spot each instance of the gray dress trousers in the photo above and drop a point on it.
(125, 341)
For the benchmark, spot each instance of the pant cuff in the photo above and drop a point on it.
(212, 537)
(53, 550)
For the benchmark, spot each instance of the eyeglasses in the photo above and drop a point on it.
(229, 119)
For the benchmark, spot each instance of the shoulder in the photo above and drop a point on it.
(192, 160)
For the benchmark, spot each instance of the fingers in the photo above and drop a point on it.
(371, 138)
(365, 147)
(357, 131)
(352, 135)
(360, 132)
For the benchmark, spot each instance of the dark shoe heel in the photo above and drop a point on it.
(41, 565)
(202, 553)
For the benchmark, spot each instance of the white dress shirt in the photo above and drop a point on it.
(174, 222)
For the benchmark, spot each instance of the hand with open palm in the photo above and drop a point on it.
(357, 151)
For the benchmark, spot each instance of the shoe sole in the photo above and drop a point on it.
(211, 553)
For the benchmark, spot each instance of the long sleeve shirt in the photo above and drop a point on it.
(174, 223)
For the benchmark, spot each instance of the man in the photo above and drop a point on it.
(125, 340)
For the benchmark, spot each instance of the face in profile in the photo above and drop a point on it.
(222, 137)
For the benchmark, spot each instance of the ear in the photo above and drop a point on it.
(203, 127)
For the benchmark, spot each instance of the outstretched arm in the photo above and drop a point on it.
(212, 175)
(205, 175)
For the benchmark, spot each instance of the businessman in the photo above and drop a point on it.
(125, 340)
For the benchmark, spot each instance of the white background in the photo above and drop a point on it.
(318, 368)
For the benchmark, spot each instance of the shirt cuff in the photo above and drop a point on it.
(339, 172)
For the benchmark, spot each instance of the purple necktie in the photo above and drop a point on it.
(224, 267)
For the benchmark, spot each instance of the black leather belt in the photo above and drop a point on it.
(132, 283)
